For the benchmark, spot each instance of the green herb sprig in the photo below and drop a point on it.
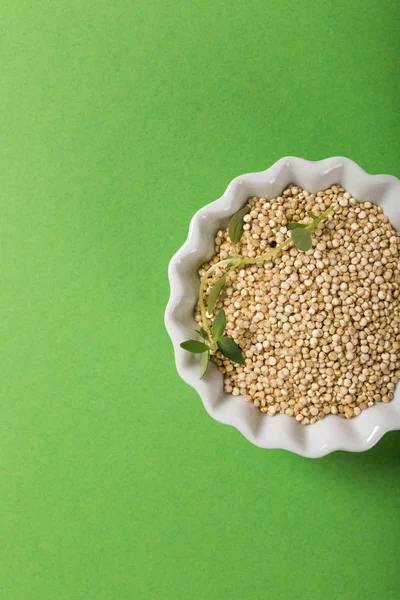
(212, 333)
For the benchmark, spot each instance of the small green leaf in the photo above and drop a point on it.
(215, 292)
(219, 324)
(235, 228)
(310, 214)
(204, 360)
(194, 346)
(292, 225)
(302, 239)
(203, 333)
(231, 350)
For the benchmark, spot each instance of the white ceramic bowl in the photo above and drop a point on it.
(332, 433)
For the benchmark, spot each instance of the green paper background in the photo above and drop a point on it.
(118, 121)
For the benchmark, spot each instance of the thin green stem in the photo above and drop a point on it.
(317, 221)
(203, 281)
(271, 253)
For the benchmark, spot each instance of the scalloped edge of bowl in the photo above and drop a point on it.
(283, 432)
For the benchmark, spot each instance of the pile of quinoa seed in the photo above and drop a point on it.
(319, 330)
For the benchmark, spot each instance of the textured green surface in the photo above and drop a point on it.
(118, 121)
